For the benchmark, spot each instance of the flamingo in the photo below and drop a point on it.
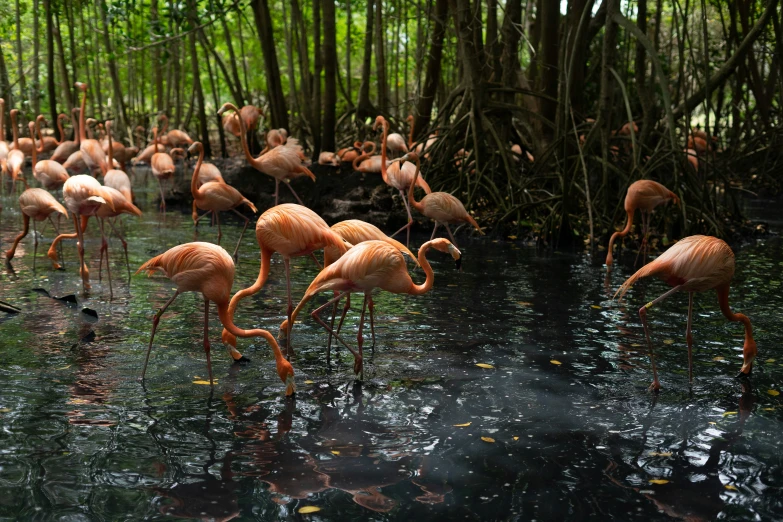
(84, 196)
(645, 195)
(92, 152)
(15, 159)
(75, 163)
(441, 207)
(396, 143)
(329, 158)
(349, 153)
(50, 174)
(366, 266)
(249, 113)
(50, 143)
(281, 163)
(68, 147)
(207, 173)
(162, 168)
(355, 231)
(39, 205)
(23, 144)
(292, 231)
(410, 121)
(693, 158)
(400, 176)
(208, 269)
(3, 144)
(114, 178)
(121, 206)
(216, 196)
(694, 264)
(175, 137)
(367, 162)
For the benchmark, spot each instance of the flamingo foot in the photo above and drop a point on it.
(242, 360)
(655, 386)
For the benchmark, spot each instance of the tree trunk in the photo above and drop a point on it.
(277, 105)
(550, 23)
(115, 77)
(157, 69)
(330, 69)
(423, 113)
(304, 59)
(348, 50)
(364, 107)
(233, 62)
(641, 72)
(199, 92)
(289, 55)
(36, 91)
(65, 84)
(509, 62)
(216, 101)
(50, 87)
(576, 60)
(607, 89)
(20, 56)
(492, 46)
(5, 92)
(317, 67)
(380, 60)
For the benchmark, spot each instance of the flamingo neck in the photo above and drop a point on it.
(621, 233)
(111, 149)
(75, 121)
(40, 136)
(425, 265)
(383, 152)
(82, 126)
(14, 129)
(155, 138)
(415, 204)
(410, 137)
(165, 123)
(2, 119)
(749, 349)
(194, 180)
(60, 119)
(227, 318)
(32, 135)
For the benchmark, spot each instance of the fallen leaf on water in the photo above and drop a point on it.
(516, 438)
(335, 452)
(661, 454)
(713, 423)
(308, 509)
(668, 341)
(770, 360)
(524, 303)
(462, 425)
(726, 413)
(774, 393)
(484, 365)
(64, 367)
(555, 362)
(719, 358)
(309, 382)
(595, 306)
(730, 487)
(5, 410)
(512, 237)
(636, 345)
(487, 439)
(769, 409)
(204, 383)
(659, 481)
(415, 313)
(62, 333)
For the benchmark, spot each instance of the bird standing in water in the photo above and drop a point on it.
(644, 195)
(37, 204)
(366, 266)
(208, 269)
(694, 264)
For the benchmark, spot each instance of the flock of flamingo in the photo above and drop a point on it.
(357, 256)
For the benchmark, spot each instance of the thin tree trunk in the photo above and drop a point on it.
(36, 93)
(157, 69)
(317, 66)
(216, 101)
(5, 92)
(550, 22)
(20, 56)
(304, 59)
(330, 70)
(289, 55)
(50, 86)
(492, 45)
(348, 42)
(641, 72)
(380, 60)
(98, 67)
(115, 77)
(202, 113)
(277, 105)
(68, 9)
(233, 61)
(244, 56)
(607, 90)
(65, 84)
(364, 107)
(423, 112)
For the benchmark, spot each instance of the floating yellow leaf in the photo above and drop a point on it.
(730, 487)
(524, 303)
(64, 367)
(659, 481)
(415, 313)
(726, 413)
(487, 439)
(62, 333)
(555, 362)
(335, 452)
(309, 382)
(516, 438)
(770, 360)
(636, 345)
(204, 383)
(668, 341)
(661, 454)
(713, 423)
(595, 306)
(462, 425)
(485, 365)
(308, 509)
(512, 237)
(719, 358)
(774, 393)
(769, 409)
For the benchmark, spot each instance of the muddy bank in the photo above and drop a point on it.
(337, 193)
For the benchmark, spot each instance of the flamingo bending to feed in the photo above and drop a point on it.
(50, 174)
(207, 173)
(366, 266)
(355, 231)
(216, 197)
(175, 137)
(292, 231)
(329, 158)
(208, 269)
(84, 196)
(249, 113)
(282, 163)
(441, 207)
(162, 168)
(694, 264)
(92, 152)
(645, 195)
(349, 153)
(114, 178)
(399, 175)
(37, 204)
(367, 162)
(396, 143)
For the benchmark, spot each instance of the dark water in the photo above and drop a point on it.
(560, 427)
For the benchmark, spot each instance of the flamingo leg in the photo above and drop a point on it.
(220, 232)
(35, 244)
(314, 315)
(345, 312)
(689, 337)
(643, 245)
(453, 241)
(331, 325)
(162, 197)
(155, 321)
(433, 231)
(208, 212)
(359, 337)
(105, 248)
(290, 309)
(124, 246)
(247, 222)
(294, 193)
(83, 270)
(315, 260)
(656, 385)
(410, 220)
(206, 340)
(371, 306)
(277, 190)
(56, 228)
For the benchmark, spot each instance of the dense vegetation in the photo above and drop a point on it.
(561, 80)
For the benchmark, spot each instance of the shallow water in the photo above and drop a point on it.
(560, 427)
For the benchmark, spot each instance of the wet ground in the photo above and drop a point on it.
(516, 389)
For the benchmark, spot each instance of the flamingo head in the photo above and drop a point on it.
(409, 119)
(81, 86)
(444, 245)
(286, 373)
(413, 157)
(380, 120)
(196, 147)
(227, 107)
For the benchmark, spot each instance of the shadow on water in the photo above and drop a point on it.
(556, 425)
